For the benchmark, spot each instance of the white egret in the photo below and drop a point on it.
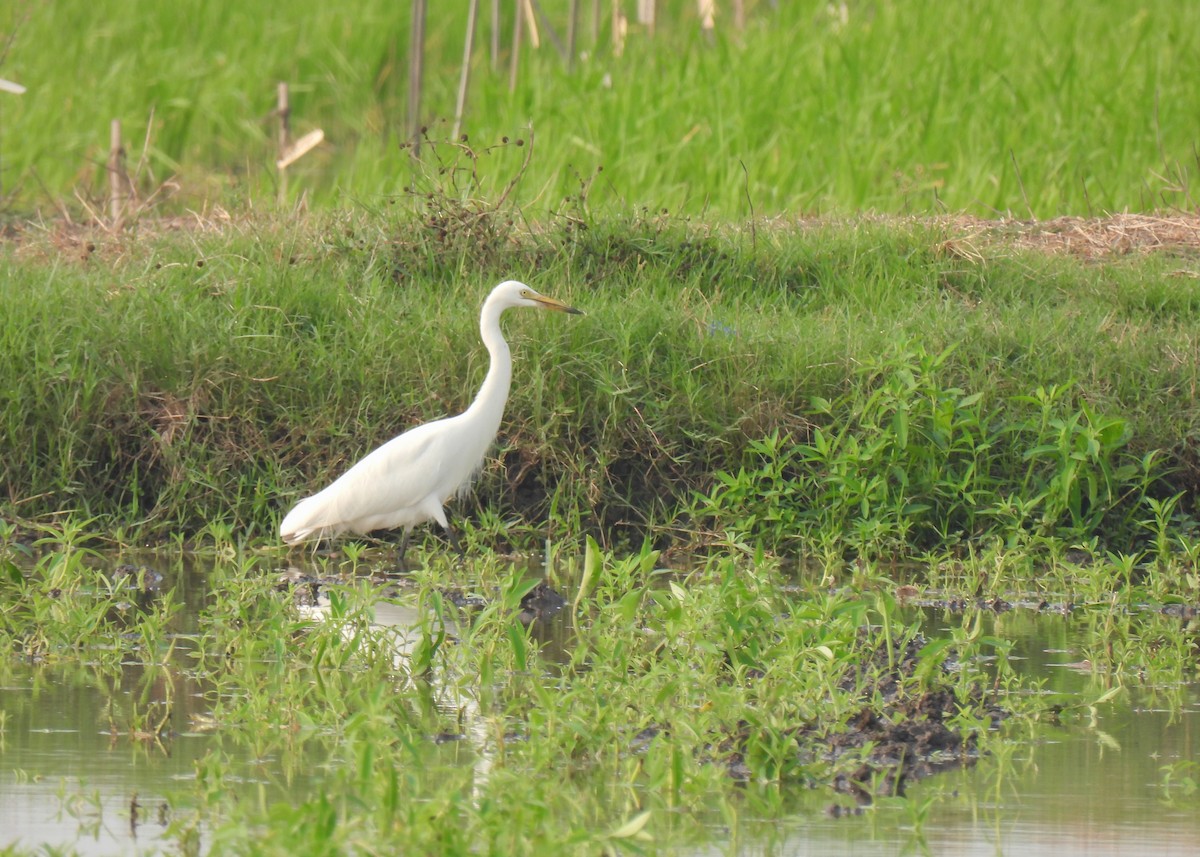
(406, 481)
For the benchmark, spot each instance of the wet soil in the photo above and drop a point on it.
(909, 737)
(901, 734)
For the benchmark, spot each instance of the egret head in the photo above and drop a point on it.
(514, 294)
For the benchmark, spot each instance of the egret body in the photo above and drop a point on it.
(408, 480)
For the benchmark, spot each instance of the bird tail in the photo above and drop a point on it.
(304, 521)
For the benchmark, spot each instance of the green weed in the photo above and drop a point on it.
(1180, 779)
(906, 461)
(683, 701)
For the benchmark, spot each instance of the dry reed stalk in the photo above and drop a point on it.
(416, 69)
(464, 77)
(118, 179)
(535, 38)
(283, 111)
(514, 58)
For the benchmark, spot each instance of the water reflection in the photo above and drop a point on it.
(71, 770)
(66, 778)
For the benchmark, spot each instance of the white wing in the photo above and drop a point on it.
(402, 483)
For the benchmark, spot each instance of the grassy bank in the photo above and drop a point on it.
(1031, 107)
(177, 379)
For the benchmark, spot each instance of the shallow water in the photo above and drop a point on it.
(68, 780)
(1071, 790)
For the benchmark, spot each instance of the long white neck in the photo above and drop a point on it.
(488, 406)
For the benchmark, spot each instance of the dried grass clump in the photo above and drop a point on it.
(1091, 238)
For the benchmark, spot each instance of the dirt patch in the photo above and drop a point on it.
(906, 739)
(969, 237)
(1092, 238)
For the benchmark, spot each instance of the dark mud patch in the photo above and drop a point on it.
(907, 741)
(902, 733)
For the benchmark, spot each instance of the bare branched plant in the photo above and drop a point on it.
(458, 218)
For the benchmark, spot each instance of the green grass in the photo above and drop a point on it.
(905, 106)
(165, 381)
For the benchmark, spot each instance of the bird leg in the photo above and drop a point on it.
(401, 565)
(452, 535)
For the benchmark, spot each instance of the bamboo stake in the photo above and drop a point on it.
(619, 26)
(283, 111)
(117, 179)
(707, 10)
(464, 78)
(572, 34)
(514, 58)
(290, 150)
(495, 35)
(16, 89)
(297, 149)
(646, 14)
(416, 68)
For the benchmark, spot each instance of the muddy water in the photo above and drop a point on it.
(66, 780)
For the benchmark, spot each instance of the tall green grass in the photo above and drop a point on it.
(897, 105)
